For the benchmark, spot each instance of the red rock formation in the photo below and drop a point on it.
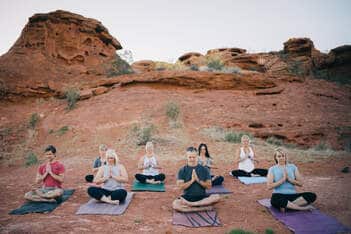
(192, 58)
(56, 49)
(143, 66)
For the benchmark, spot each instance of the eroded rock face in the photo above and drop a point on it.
(192, 59)
(299, 46)
(143, 66)
(60, 47)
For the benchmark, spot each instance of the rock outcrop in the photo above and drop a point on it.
(58, 48)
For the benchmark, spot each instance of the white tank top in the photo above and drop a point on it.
(246, 165)
(150, 170)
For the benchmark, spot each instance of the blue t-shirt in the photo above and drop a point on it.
(286, 187)
(98, 163)
(195, 189)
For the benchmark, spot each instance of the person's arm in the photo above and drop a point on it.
(39, 178)
(207, 184)
(298, 178)
(271, 184)
(99, 179)
(238, 158)
(59, 177)
(254, 159)
(212, 165)
(184, 185)
(157, 166)
(141, 163)
(123, 177)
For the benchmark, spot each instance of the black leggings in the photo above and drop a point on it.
(142, 178)
(97, 193)
(217, 180)
(257, 171)
(89, 178)
(280, 200)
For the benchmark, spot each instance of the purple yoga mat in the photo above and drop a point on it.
(196, 219)
(101, 208)
(306, 222)
(218, 189)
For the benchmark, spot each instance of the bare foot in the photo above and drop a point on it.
(108, 200)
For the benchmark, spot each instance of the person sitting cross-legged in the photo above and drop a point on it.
(193, 179)
(50, 176)
(111, 176)
(150, 166)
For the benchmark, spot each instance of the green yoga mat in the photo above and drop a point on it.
(137, 186)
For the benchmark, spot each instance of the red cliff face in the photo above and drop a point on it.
(57, 49)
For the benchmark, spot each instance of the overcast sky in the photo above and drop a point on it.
(164, 30)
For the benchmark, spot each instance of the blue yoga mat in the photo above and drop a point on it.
(41, 207)
(252, 180)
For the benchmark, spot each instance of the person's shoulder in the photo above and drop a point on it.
(291, 165)
(273, 167)
(202, 168)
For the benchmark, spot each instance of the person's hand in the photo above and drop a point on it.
(285, 175)
(196, 177)
(110, 173)
(193, 176)
(48, 168)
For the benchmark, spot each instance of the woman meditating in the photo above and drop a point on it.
(246, 159)
(282, 178)
(150, 167)
(111, 176)
(206, 161)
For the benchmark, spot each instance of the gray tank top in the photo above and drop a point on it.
(111, 184)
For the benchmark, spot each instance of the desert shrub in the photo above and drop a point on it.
(172, 111)
(31, 159)
(274, 141)
(321, 146)
(194, 68)
(143, 134)
(62, 130)
(72, 97)
(232, 70)
(33, 120)
(3, 89)
(239, 231)
(215, 64)
(118, 67)
(235, 137)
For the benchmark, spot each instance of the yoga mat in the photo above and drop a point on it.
(41, 207)
(252, 180)
(101, 208)
(196, 219)
(217, 189)
(306, 222)
(137, 186)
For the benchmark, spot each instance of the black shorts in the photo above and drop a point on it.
(194, 198)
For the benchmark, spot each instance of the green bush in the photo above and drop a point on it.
(321, 146)
(33, 120)
(239, 231)
(172, 111)
(62, 130)
(235, 137)
(215, 64)
(274, 141)
(269, 231)
(143, 134)
(194, 68)
(31, 159)
(72, 97)
(119, 67)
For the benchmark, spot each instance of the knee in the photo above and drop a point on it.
(162, 176)
(221, 179)
(215, 197)
(310, 197)
(176, 204)
(91, 191)
(89, 178)
(28, 195)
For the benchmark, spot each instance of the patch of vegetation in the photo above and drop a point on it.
(119, 67)
(31, 159)
(325, 74)
(239, 231)
(33, 120)
(51, 131)
(279, 142)
(172, 111)
(215, 64)
(194, 68)
(269, 231)
(235, 137)
(178, 66)
(216, 133)
(72, 97)
(62, 130)
(322, 146)
(232, 70)
(143, 134)
(3, 89)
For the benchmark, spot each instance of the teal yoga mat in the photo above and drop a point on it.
(137, 186)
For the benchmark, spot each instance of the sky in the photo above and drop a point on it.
(165, 30)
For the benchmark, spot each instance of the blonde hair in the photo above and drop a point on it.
(112, 153)
(245, 137)
(280, 151)
(149, 144)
